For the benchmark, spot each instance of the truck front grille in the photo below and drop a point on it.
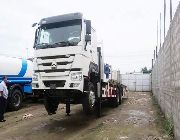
(55, 83)
(49, 71)
(54, 66)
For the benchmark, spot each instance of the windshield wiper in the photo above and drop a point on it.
(62, 43)
(65, 43)
(42, 45)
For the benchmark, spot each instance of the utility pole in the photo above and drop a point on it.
(157, 34)
(156, 52)
(160, 31)
(170, 10)
(164, 19)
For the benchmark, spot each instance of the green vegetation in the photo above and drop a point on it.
(166, 122)
(169, 126)
(145, 70)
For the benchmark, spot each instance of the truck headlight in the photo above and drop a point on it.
(76, 76)
(35, 77)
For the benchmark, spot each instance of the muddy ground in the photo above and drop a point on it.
(135, 119)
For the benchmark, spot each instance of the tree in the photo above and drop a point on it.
(145, 70)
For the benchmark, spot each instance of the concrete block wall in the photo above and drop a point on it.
(166, 74)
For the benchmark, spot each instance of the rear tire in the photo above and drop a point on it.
(15, 100)
(89, 100)
(51, 105)
(116, 101)
(120, 98)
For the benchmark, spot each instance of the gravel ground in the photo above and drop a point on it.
(135, 119)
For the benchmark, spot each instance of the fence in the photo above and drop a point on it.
(166, 74)
(137, 81)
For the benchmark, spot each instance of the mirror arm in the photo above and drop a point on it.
(35, 39)
(85, 46)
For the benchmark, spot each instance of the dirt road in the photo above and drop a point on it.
(135, 119)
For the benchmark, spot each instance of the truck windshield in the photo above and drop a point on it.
(66, 33)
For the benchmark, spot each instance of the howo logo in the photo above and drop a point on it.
(54, 65)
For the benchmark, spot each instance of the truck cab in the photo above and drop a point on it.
(66, 60)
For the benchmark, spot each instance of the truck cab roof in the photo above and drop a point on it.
(60, 18)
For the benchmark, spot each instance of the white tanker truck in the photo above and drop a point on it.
(69, 66)
(19, 73)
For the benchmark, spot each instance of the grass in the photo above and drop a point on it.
(166, 123)
(169, 126)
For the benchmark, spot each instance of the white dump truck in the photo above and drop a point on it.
(69, 66)
(19, 73)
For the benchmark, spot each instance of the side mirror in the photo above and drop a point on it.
(35, 39)
(88, 27)
(87, 38)
(34, 24)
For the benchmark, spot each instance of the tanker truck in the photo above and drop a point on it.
(19, 73)
(69, 66)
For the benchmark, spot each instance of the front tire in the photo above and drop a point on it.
(89, 100)
(15, 100)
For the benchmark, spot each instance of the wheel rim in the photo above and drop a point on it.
(92, 99)
(16, 100)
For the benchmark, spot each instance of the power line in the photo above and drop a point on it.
(136, 55)
(10, 56)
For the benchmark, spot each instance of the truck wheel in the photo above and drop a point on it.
(89, 99)
(116, 100)
(120, 98)
(15, 100)
(51, 105)
(119, 95)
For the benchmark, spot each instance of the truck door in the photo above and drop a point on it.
(93, 48)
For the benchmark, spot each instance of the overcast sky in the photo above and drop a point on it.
(126, 27)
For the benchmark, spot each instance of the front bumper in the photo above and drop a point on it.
(63, 82)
